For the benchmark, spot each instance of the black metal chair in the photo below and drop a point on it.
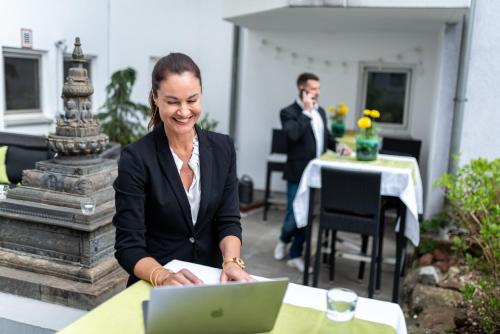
(350, 202)
(399, 146)
(391, 146)
(275, 163)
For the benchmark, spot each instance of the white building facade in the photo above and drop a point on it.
(339, 40)
(342, 40)
(115, 34)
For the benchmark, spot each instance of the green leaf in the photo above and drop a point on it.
(120, 118)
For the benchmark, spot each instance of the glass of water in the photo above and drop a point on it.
(341, 304)
(4, 188)
(87, 205)
(340, 150)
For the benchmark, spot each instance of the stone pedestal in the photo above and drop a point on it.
(49, 249)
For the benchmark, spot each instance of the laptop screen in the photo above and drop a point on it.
(235, 307)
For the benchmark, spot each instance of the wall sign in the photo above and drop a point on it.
(26, 38)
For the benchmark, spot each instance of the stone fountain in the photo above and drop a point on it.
(49, 248)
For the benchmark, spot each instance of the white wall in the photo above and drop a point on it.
(121, 33)
(50, 21)
(268, 83)
(446, 78)
(156, 28)
(481, 123)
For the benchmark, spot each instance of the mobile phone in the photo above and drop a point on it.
(301, 94)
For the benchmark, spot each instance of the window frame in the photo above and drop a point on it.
(409, 70)
(26, 54)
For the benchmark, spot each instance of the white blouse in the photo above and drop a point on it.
(194, 192)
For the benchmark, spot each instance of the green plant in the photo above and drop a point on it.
(426, 245)
(474, 196)
(121, 119)
(368, 125)
(337, 115)
(483, 300)
(206, 123)
(434, 224)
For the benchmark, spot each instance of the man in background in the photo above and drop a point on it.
(306, 128)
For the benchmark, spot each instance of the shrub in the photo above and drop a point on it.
(474, 196)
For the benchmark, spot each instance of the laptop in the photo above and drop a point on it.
(235, 307)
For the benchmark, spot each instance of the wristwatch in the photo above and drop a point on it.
(236, 260)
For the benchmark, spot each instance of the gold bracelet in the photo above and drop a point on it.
(155, 277)
(151, 275)
(169, 273)
(236, 260)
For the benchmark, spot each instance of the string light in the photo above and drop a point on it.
(380, 59)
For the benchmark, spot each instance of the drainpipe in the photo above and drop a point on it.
(233, 102)
(461, 87)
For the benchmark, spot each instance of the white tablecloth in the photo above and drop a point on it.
(366, 309)
(395, 181)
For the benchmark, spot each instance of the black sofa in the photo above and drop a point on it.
(23, 151)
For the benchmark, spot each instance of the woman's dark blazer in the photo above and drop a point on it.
(153, 216)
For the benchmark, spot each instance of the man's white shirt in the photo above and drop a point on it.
(316, 124)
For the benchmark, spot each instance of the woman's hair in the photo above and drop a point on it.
(174, 63)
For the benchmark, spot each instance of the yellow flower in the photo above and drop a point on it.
(375, 114)
(367, 112)
(341, 104)
(364, 122)
(342, 110)
(331, 109)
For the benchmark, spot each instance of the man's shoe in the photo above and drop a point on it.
(298, 263)
(280, 251)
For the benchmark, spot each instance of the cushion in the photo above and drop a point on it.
(19, 159)
(4, 179)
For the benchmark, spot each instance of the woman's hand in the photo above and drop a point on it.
(233, 272)
(182, 277)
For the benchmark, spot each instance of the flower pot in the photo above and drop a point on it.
(338, 129)
(367, 148)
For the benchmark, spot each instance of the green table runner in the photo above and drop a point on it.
(383, 162)
(300, 320)
(123, 314)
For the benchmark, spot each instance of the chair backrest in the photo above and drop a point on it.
(23, 152)
(279, 141)
(350, 192)
(399, 146)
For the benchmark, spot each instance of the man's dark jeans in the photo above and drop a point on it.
(289, 229)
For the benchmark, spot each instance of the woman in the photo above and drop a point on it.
(176, 190)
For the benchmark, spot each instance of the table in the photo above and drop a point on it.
(123, 313)
(400, 178)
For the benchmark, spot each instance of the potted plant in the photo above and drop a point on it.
(206, 123)
(120, 118)
(367, 141)
(337, 116)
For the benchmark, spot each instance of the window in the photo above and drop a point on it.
(387, 90)
(22, 81)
